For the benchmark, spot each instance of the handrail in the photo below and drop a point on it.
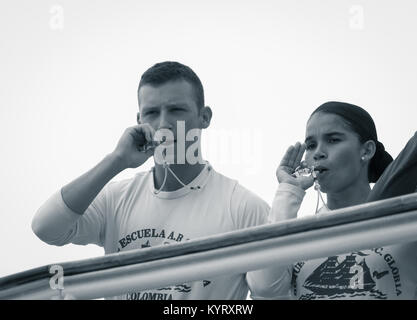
(364, 226)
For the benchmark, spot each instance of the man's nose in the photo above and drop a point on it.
(164, 121)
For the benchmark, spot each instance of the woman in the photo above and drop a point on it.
(343, 148)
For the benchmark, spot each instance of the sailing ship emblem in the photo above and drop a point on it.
(332, 279)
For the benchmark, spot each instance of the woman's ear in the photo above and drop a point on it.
(205, 117)
(368, 150)
(138, 117)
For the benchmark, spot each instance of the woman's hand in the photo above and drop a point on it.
(289, 163)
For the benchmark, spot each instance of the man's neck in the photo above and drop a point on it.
(185, 172)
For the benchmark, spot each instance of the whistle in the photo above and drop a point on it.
(148, 146)
(304, 170)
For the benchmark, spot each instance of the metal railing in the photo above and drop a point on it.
(365, 226)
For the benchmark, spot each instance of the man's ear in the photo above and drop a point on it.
(205, 117)
(369, 149)
(138, 118)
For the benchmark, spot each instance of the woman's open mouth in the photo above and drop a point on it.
(320, 170)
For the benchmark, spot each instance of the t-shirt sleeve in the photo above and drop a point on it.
(286, 203)
(247, 209)
(56, 224)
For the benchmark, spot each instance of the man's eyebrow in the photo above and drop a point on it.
(169, 105)
(150, 108)
(179, 104)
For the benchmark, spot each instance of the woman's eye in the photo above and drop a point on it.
(333, 140)
(310, 146)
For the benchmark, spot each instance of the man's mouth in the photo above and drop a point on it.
(167, 142)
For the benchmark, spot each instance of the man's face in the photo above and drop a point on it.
(162, 106)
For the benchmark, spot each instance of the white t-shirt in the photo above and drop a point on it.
(129, 215)
(380, 273)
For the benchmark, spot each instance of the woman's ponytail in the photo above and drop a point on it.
(379, 162)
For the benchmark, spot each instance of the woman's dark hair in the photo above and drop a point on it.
(363, 125)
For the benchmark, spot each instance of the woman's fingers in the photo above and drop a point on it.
(289, 163)
(293, 156)
(299, 156)
(287, 159)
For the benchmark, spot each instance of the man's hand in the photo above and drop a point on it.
(128, 149)
(289, 163)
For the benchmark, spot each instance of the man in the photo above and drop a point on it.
(181, 198)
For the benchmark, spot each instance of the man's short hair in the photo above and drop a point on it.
(163, 72)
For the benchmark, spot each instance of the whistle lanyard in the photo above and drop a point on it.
(319, 196)
(302, 170)
(166, 169)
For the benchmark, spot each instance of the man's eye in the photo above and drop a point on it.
(333, 140)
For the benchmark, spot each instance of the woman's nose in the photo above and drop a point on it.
(319, 154)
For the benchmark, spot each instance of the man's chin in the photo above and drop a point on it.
(169, 143)
(178, 162)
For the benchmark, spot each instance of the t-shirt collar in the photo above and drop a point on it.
(194, 186)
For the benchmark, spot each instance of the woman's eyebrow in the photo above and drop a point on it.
(327, 134)
(308, 139)
(334, 133)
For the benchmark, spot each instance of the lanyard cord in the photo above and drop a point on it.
(164, 181)
(166, 169)
(319, 196)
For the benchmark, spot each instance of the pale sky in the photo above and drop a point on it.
(70, 69)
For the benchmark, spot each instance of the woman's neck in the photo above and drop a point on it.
(354, 195)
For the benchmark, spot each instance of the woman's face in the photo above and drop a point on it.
(334, 149)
